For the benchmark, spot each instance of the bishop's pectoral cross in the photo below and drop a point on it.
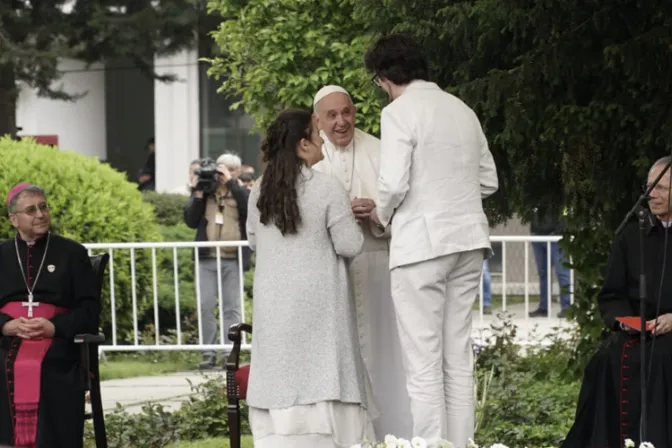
(30, 304)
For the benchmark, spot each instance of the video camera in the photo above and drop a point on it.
(207, 176)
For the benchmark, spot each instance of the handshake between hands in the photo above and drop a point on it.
(29, 328)
(364, 209)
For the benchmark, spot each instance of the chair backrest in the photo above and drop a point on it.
(99, 263)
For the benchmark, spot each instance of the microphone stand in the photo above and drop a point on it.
(643, 215)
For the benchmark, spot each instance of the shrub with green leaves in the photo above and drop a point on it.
(168, 208)
(279, 53)
(90, 203)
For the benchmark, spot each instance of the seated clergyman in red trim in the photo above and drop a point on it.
(609, 405)
(47, 296)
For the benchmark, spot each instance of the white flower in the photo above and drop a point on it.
(472, 444)
(444, 444)
(403, 443)
(499, 445)
(418, 442)
(391, 441)
(629, 443)
(646, 445)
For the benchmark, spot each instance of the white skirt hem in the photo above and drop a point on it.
(328, 424)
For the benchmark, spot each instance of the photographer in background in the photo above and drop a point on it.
(217, 209)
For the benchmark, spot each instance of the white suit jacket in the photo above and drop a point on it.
(435, 170)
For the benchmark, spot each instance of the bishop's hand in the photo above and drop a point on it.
(13, 327)
(37, 328)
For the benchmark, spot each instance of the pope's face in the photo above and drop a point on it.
(336, 117)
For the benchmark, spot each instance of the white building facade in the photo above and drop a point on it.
(122, 108)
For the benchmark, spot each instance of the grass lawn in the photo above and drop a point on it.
(213, 443)
(113, 370)
(118, 367)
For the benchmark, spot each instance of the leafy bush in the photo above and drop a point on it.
(168, 208)
(262, 70)
(523, 410)
(206, 416)
(154, 427)
(529, 398)
(203, 416)
(90, 203)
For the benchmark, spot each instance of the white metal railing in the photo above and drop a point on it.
(112, 248)
(528, 328)
(512, 279)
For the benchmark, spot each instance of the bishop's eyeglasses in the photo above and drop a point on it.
(32, 210)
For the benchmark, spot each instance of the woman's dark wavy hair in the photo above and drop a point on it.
(398, 58)
(278, 198)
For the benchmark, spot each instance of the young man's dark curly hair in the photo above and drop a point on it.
(398, 58)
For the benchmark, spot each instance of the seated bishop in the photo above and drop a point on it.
(609, 405)
(47, 296)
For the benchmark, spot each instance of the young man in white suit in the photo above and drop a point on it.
(435, 169)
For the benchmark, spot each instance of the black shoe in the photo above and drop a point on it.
(562, 314)
(538, 313)
(487, 311)
(208, 363)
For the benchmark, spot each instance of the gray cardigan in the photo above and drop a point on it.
(304, 348)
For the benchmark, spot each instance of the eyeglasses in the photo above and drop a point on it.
(32, 210)
(375, 80)
(660, 188)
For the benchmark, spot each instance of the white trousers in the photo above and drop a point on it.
(433, 301)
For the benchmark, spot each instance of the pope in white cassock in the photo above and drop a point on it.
(353, 156)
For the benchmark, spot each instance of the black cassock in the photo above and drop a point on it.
(609, 404)
(66, 281)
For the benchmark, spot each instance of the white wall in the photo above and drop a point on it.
(80, 125)
(176, 120)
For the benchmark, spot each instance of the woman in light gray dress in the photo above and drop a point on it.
(307, 386)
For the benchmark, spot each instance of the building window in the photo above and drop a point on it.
(222, 129)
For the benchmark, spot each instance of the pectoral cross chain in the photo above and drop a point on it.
(30, 304)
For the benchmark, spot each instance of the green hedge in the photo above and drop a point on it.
(90, 203)
(168, 208)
